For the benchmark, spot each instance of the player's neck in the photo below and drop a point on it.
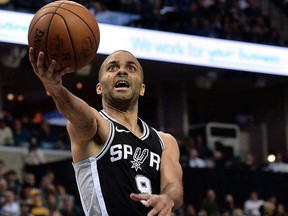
(128, 119)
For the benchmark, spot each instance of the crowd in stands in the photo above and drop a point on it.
(253, 206)
(195, 153)
(240, 20)
(28, 197)
(26, 132)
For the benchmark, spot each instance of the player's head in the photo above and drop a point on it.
(121, 77)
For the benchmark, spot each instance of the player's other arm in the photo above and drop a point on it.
(171, 171)
(171, 195)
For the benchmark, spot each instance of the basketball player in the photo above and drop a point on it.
(122, 165)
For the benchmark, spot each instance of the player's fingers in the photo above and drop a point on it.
(160, 210)
(31, 55)
(32, 59)
(65, 71)
(139, 197)
(40, 63)
(165, 211)
(155, 210)
(51, 67)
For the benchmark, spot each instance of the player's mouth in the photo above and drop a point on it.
(122, 84)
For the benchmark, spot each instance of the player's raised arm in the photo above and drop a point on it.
(78, 112)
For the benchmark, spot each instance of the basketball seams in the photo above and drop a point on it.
(57, 7)
(46, 40)
(95, 38)
(71, 39)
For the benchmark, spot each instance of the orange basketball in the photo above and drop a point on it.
(65, 31)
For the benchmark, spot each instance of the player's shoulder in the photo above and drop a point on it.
(167, 137)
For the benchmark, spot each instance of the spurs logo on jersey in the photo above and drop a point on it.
(139, 158)
(122, 151)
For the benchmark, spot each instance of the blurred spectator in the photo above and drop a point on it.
(37, 208)
(3, 188)
(249, 163)
(11, 206)
(280, 210)
(186, 145)
(190, 210)
(6, 134)
(218, 161)
(21, 135)
(209, 203)
(29, 183)
(228, 204)
(246, 164)
(202, 147)
(47, 185)
(202, 212)
(25, 208)
(238, 212)
(252, 205)
(194, 160)
(2, 168)
(252, 10)
(267, 209)
(40, 211)
(46, 138)
(69, 208)
(62, 195)
(34, 156)
(13, 181)
(51, 203)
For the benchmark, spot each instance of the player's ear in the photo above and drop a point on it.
(99, 89)
(142, 91)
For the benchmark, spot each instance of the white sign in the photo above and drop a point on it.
(168, 47)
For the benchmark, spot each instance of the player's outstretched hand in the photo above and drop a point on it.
(49, 77)
(161, 204)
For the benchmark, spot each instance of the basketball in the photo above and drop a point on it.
(65, 31)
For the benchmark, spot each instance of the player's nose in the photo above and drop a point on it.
(122, 73)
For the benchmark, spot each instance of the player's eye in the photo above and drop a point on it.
(113, 68)
(131, 68)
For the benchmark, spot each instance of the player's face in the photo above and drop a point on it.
(121, 78)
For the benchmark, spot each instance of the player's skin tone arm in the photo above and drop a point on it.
(83, 120)
(171, 194)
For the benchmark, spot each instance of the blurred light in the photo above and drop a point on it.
(271, 158)
(79, 85)
(47, 93)
(10, 96)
